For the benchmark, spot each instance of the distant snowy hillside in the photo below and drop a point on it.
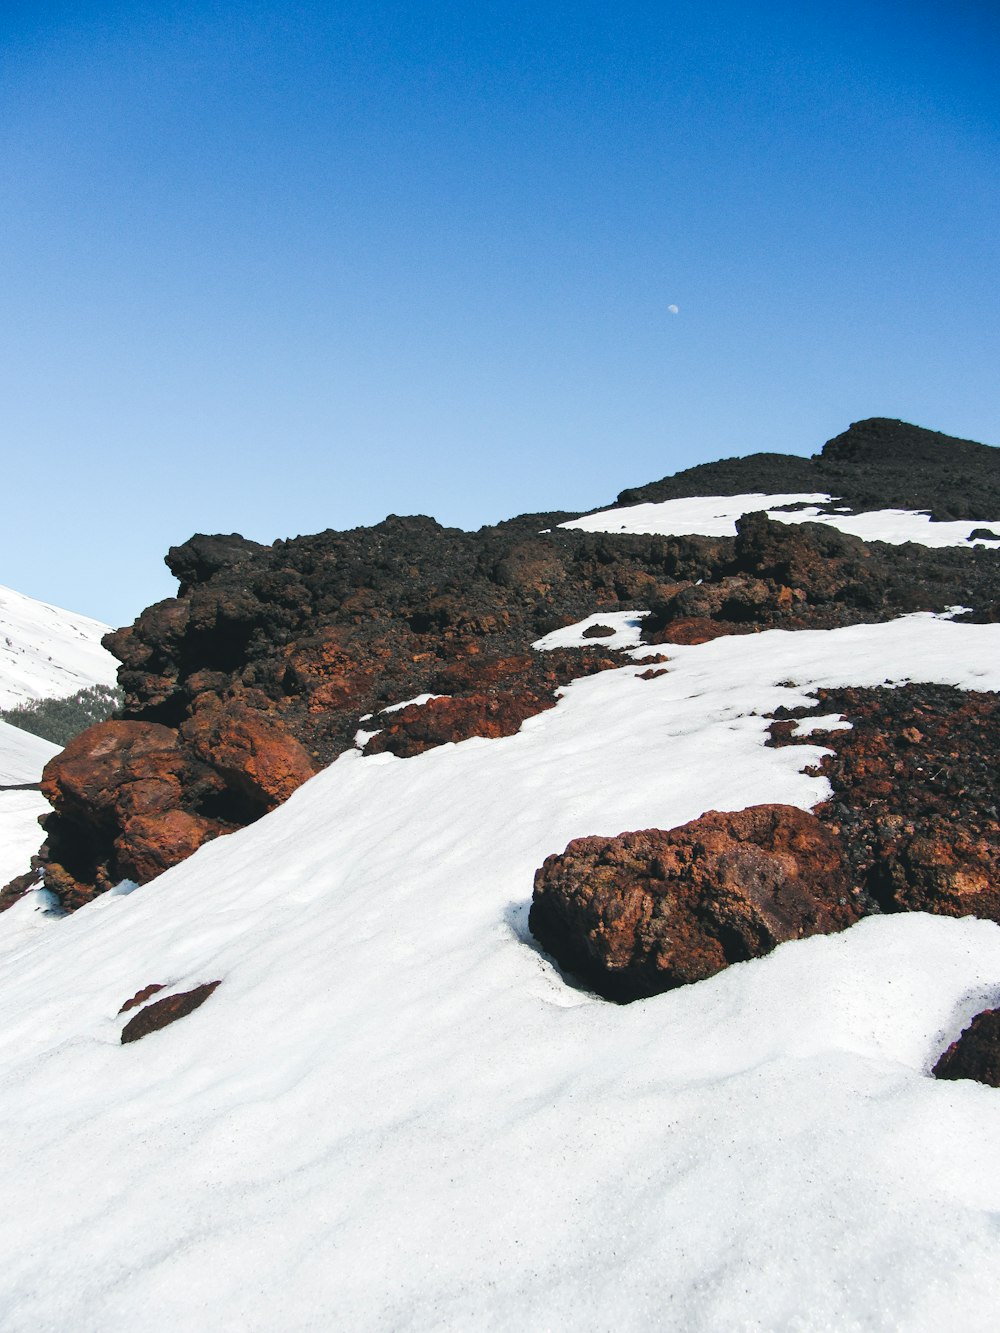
(46, 652)
(22, 758)
(395, 1113)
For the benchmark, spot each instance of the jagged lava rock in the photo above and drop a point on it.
(914, 795)
(976, 1053)
(645, 912)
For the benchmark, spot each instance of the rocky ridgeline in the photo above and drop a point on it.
(262, 668)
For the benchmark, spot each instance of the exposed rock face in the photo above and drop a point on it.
(976, 1053)
(915, 795)
(125, 796)
(490, 698)
(163, 1012)
(876, 464)
(258, 672)
(645, 912)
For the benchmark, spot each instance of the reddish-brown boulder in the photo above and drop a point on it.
(148, 844)
(97, 771)
(645, 912)
(161, 1013)
(976, 1053)
(253, 751)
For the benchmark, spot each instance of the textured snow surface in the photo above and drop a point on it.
(394, 1113)
(22, 758)
(48, 653)
(716, 515)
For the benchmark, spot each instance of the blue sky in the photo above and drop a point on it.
(275, 268)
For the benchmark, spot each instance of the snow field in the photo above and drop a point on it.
(46, 652)
(716, 515)
(395, 1114)
(22, 758)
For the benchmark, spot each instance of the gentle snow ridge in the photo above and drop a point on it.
(716, 515)
(48, 653)
(395, 1114)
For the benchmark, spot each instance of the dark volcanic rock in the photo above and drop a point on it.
(879, 463)
(645, 912)
(976, 1053)
(163, 1012)
(914, 795)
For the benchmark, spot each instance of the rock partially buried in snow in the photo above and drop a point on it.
(163, 1012)
(645, 912)
(976, 1053)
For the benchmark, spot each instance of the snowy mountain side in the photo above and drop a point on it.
(260, 671)
(22, 758)
(394, 1112)
(46, 652)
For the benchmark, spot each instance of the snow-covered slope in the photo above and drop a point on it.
(46, 652)
(394, 1113)
(22, 758)
(716, 515)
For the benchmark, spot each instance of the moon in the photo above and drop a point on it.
(673, 309)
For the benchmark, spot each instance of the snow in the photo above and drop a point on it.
(22, 758)
(46, 652)
(627, 627)
(394, 1113)
(716, 515)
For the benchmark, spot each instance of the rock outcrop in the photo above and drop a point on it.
(259, 671)
(644, 912)
(976, 1053)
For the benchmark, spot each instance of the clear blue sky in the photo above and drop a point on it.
(275, 268)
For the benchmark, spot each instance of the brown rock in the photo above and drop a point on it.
(645, 912)
(161, 1013)
(140, 997)
(976, 1053)
(496, 695)
(148, 844)
(914, 790)
(253, 751)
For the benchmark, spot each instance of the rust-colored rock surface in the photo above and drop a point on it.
(252, 750)
(119, 792)
(494, 697)
(914, 795)
(141, 996)
(163, 1012)
(976, 1053)
(644, 912)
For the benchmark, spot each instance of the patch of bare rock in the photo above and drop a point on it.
(976, 1053)
(161, 1013)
